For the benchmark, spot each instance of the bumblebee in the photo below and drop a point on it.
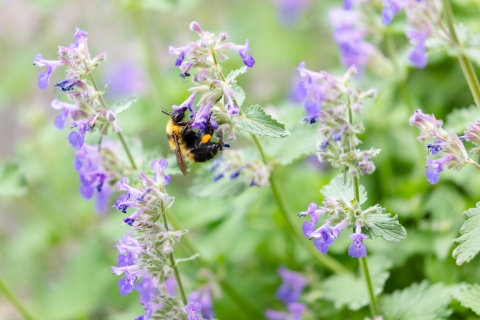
(187, 143)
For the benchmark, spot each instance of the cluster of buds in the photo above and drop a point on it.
(423, 18)
(340, 215)
(330, 101)
(87, 109)
(445, 143)
(289, 293)
(144, 255)
(217, 94)
(235, 163)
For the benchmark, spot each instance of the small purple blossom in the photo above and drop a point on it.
(50, 66)
(203, 296)
(88, 163)
(192, 310)
(434, 167)
(313, 212)
(290, 10)
(248, 60)
(291, 287)
(390, 10)
(435, 147)
(417, 54)
(312, 109)
(324, 241)
(357, 249)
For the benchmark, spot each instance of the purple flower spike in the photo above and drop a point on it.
(292, 286)
(357, 249)
(191, 309)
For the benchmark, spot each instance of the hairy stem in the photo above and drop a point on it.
(465, 64)
(473, 162)
(243, 304)
(120, 136)
(14, 301)
(363, 261)
(174, 266)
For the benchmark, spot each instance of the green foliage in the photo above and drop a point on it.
(240, 95)
(351, 290)
(257, 122)
(469, 297)
(341, 188)
(383, 225)
(124, 104)
(468, 242)
(232, 76)
(419, 301)
(12, 180)
(458, 119)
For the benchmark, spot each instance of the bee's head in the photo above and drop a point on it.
(178, 115)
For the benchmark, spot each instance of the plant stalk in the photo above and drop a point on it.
(14, 301)
(465, 64)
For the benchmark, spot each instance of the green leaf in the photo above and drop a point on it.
(351, 290)
(240, 94)
(382, 225)
(257, 122)
(300, 143)
(457, 119)
(12, 180)
(341, 189)
(419, 301)
(124, 104)
(235, 73)
(468, 242)
(469, 297)
(204, 187)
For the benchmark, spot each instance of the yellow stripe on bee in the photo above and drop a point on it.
(206, 138)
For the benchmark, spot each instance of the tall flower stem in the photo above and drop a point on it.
(120, 136)
(243, 304)
(465, 64)
(325, 260)
(174, 265)
(363, 261)
(15, 302)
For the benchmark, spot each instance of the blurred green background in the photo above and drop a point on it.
(56, 252)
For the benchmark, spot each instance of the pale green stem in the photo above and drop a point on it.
(363, 261)
(174, 266)
(104, 105)
(15, 302)
(465, 64)
(473, 162)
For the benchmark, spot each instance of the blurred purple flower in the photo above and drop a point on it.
(295, 312)
(289, 11)
(125, 78)
(192, 310)
(292, 286)
(203, 296)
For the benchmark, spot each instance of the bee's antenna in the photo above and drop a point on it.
(165, 111)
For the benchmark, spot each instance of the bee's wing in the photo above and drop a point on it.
(180, 159)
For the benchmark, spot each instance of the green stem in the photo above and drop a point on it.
(465, 64)
(174, 266)
(373, 300)
(363, 261)
(104, 105)
(243, 304)
(15, 302)
(473, 162)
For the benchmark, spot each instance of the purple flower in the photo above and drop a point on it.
(312, 109)
(324, 241)
(88, 163)
(357, 249)
(50, 65)
(434, 167)
(435, 147)
(202, 114)
(125, 78)
(290, 10)
(146, 288)
(313, 212)
(390, 9)
(308, 229)
(181, 52)
(248, 60)
(79, 34)
(191, 309)
(295, 312)
(417, 54)
(291, 287)
(203, 297)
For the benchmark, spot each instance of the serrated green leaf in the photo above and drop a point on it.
(235, 73)
(468, 242)
(351, 290)
(341, 189)
(382, 225)
(419, 301)
(12, 180)
(124, 104)
(240, 95)
(300, 143)
(457, 119)
(469, 297)
(257, 122)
